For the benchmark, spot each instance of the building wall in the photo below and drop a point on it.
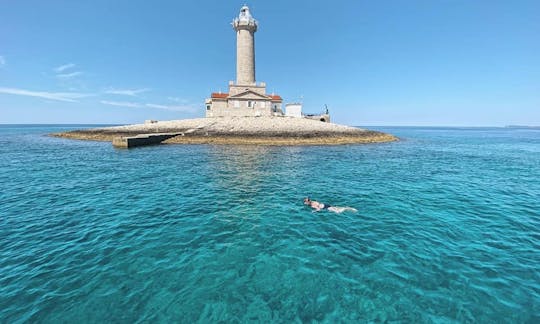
(242, 107)
(215, 106)
(235, 89)
(238, 112)
(293, 110)
(276, 108)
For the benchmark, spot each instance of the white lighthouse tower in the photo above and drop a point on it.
(245, 26)
(246, 97)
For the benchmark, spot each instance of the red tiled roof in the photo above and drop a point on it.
(276, 98)
(220, 95)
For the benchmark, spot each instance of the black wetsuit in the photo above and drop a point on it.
(326, 206)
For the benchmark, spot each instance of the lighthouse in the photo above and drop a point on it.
(246, 97)
(245, 26)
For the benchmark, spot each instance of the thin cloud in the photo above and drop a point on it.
(185, 108)
(148, 105)
(2, 61)
(177, 99)
(122, 104)
(62, 68)
(66, 72)
(69, 75)
(59, 96)
(126, 92)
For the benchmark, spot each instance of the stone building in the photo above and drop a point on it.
(246, 97)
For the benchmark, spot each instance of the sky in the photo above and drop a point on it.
(395, 63)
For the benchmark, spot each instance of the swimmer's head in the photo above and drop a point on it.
(307, 201)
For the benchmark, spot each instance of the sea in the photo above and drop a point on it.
(447, 230)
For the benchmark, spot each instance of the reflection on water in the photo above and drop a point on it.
(240, 168)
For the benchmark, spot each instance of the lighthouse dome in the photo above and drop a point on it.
(244, 13)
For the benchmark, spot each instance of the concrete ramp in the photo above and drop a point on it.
(142, 140)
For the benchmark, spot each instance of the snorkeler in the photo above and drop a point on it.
(318, 206)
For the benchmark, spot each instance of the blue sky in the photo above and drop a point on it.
(430, 62)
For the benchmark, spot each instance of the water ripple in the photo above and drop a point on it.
(446, 230)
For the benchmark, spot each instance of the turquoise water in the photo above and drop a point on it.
(448, 230)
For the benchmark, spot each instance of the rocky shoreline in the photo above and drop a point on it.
(240, 130)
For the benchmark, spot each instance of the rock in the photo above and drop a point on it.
(241, 130)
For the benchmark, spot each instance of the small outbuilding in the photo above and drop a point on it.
(293, 110)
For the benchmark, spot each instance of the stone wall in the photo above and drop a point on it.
(322, 117)
(235, 89)
(238, 112)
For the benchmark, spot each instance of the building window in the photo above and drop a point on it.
(207, 107)
(251, 104)
(275, 108)
(236, 104)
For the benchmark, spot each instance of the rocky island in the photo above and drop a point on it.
(237, 130)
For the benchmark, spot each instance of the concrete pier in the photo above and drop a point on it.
(142, 140)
